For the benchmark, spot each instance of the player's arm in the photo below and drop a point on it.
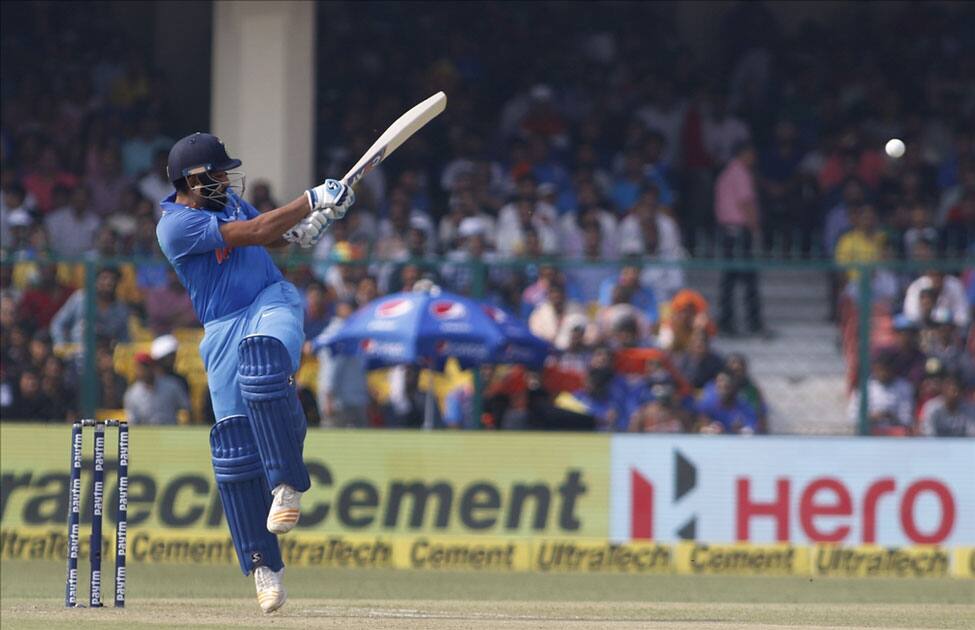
(266, 228)
(302, 221)
(277, 244)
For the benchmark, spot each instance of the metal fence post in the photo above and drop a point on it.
(865, 314)
(89, 382)
(478, 289)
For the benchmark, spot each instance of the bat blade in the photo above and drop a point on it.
(395, 135)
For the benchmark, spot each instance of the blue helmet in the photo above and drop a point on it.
(196, 154)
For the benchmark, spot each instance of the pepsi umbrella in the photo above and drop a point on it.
(427, 328)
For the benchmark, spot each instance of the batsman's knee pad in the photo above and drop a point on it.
(244, 493)
(276, 416)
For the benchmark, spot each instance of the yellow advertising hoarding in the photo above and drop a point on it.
(964, 562)
(419, 500)
(435, 553)
(876, 561)
(363, 482)
(698, 558)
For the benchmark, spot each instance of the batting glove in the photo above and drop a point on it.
(309, 231)
(333, 198)
(318, 224)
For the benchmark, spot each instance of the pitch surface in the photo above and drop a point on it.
(172, 596)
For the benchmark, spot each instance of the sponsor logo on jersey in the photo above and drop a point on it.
(222, 254)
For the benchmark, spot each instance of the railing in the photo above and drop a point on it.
(857, 326)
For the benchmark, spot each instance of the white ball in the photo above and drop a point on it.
(895, 147)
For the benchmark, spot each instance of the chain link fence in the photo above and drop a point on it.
(809, 333)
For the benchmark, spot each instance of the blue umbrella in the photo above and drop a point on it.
(427, 328)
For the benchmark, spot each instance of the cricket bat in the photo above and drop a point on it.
(395, 135)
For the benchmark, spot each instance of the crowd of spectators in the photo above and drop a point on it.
(581, 159)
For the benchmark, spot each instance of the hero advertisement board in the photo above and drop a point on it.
(849, 492)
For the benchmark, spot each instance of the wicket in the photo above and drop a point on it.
(98, 496)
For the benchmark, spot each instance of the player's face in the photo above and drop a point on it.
(218, 186)
(212, 188)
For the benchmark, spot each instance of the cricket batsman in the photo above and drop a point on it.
(251, 348)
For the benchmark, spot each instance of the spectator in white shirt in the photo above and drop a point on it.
(589, 210)
(950, 414)
(516, 218)
(649, 231)
(890, 400)
(154, 398)
(723, 131)
(553, 319)
(71, 227)
(665, 114)
(399, 206)
(463, 206)
(950, 295)
(12, 204)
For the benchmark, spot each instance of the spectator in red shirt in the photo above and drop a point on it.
(851, 159)
(48, 174)
(41, 301)
(543, 117)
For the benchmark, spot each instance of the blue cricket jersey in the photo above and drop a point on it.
(219, 279)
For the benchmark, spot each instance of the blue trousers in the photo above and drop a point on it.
(276, 312)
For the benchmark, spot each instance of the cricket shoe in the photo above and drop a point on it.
(285, 509)
(270, 588)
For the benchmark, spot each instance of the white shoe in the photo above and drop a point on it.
(270, 589)
(285, 510)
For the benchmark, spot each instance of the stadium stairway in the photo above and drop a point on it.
(801, 369)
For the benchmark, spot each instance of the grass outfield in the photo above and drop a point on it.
(167, 596)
